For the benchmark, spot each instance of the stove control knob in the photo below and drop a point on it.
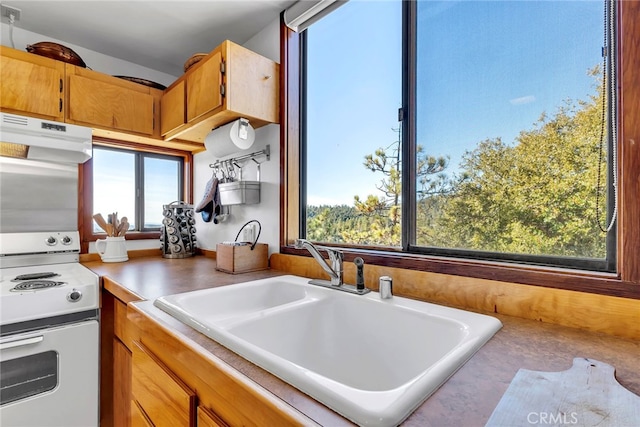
(51, 241)
(74, 296)
(66, 240)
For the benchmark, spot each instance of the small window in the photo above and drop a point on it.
(136, 185)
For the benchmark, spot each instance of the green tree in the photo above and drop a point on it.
(384, 211)
(536, 196)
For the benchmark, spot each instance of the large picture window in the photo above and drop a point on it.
(491, 137)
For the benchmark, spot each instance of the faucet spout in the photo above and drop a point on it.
(336, 257)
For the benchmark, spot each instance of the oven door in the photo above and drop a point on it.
(50, 377)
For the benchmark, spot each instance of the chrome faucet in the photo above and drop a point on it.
(335, 270)
(335, 256)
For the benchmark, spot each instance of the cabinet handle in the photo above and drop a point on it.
(60, 85)
(60, 108)
(20, 343)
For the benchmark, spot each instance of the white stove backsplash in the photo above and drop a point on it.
(38, 196)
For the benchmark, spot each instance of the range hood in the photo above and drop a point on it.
(38, 139)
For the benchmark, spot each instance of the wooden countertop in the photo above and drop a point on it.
(147, 278)
(467, 399)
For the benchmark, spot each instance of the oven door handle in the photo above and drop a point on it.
(21, 342)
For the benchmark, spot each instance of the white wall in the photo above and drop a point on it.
(267, 212)
(96, 61)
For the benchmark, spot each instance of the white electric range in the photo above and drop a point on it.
(49, 332)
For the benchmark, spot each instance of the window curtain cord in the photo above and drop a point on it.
(608, 53)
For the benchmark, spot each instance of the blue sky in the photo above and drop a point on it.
(493, 76)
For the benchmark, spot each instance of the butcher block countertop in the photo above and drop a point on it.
(468, 398)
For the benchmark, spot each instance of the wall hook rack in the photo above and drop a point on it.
(234, 160)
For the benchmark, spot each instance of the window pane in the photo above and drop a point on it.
(353, 94)
(114, 184)
(509, 107)
(161, 187)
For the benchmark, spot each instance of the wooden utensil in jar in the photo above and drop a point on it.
(99, 219)
(123, 227)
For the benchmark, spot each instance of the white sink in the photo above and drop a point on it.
(372, 360)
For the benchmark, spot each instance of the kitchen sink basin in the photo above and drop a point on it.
(229, 304)
(372, 360)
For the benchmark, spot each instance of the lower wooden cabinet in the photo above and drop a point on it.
(138, 417)
(161, 395)
(138, 389)
(151, 377)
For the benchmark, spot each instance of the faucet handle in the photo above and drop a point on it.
(334, 254)
(359, 262)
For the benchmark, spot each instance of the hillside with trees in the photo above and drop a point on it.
(536, 195)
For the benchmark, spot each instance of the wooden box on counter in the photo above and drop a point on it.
(236, 259)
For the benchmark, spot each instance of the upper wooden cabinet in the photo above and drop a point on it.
(106, 102)
(31, 84)
(205, 87)
(42, 87)
(173, 110)
(231, 82)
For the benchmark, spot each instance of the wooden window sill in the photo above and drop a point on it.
(558, 278)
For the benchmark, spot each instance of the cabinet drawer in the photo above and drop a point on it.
(120, 321)
(207, 418)
(163, 396)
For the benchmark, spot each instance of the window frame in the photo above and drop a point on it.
(85, 205)
(624, 282)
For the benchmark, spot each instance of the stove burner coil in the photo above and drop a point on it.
(34, 276)
(34, 285)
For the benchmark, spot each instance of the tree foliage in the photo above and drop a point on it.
(535, 195)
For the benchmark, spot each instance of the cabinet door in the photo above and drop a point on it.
(207, 418)
(107, 102)
(253, 85)
(31, 84)
(162, 396)
(203, 86)
(122, 384)
(172, 108)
